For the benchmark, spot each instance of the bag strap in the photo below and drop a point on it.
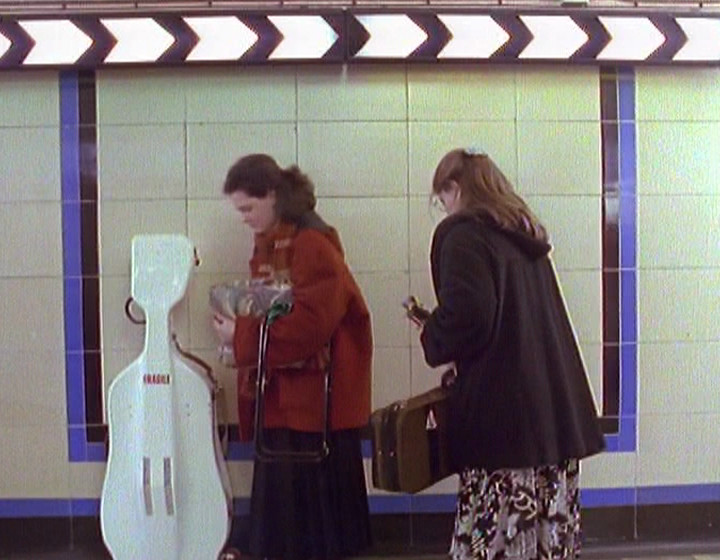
(217, 392)
(262, 451)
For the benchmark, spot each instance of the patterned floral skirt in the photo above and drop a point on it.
(527, 514)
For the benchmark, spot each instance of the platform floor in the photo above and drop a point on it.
(666, 551)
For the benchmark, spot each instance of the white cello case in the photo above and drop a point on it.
(166, 492)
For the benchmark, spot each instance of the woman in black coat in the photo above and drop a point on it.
(522, 414)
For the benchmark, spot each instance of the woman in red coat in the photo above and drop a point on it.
(303, 510)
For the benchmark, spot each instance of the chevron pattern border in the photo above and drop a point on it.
(490, 35)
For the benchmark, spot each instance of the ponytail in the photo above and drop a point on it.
(297, 195)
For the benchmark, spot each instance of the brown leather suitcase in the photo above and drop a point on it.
(409, 443)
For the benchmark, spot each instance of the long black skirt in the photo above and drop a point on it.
(299, 510)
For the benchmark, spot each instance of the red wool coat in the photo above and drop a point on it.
(327, 306)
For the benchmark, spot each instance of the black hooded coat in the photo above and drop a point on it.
(521, 397)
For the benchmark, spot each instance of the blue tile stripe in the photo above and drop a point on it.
(72, 263)
(627, 153)
(400, 503)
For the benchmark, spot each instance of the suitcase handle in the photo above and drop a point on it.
(262, 451)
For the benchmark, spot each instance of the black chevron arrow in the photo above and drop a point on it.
(438, 36)
(520, 36)
(185, 39)
(269, 37)
(20, 44)
(337, 51)
(102, 42)
(675, 38)
(357, 36)
(598, 38)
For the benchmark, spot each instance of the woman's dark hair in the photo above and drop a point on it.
(258, 174)
(486, 191)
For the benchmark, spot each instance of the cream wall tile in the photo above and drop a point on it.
(373, 231)
(558, 94)
(678, 158)
(121, 220)
(351, 159)
(35, 307)
(86, 480)
(679, 377)
(423, 219)
(118, 332)
(574, 224)
(214, 147)
(678, 94)
(592, 357)
(609, 470)
(678, 305)
(224, 243)
(430, 141)
(31, 244)
(559, 158)
(582, 290)
(423, 377)
(667, 441)
(391, 376)
(29, 99)
(352, 93)
(36, 465)
(384, 293)
(32, 390)
(692, 221)
(244, 95)
(141, 162)
(461, 93)
(30, 163)
(140, 96)
(240, 478)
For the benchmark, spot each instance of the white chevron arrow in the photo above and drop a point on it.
(138, 40)
(221, 38)
(472, 36)
(703, 39)
(391, 36)
(5, 45)
(303, 37)
(553, 37)
(632, 38)
(57, 41)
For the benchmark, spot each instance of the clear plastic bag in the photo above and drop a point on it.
(253, 297)
(247, 298)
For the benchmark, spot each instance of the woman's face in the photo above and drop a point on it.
(450, 197)
(258, 213)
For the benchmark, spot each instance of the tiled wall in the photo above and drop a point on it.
(370, 137)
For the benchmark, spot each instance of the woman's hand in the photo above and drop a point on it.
(224, 327)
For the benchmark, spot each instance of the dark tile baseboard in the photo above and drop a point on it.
(613, 532)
